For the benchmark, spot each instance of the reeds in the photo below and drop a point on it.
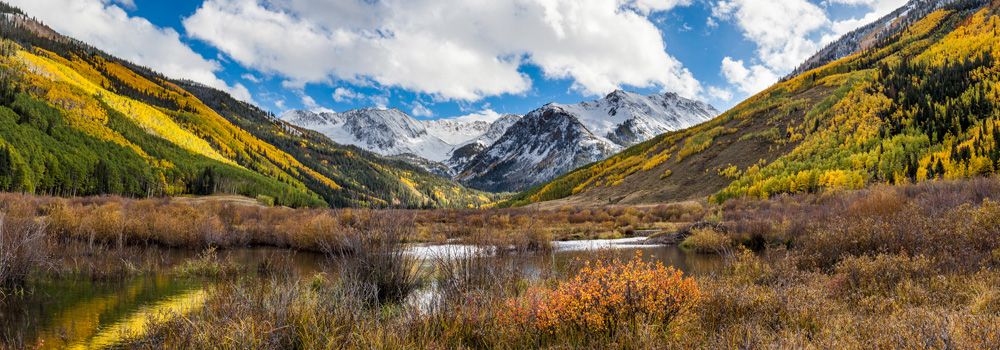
(23, 248)
(373, 264)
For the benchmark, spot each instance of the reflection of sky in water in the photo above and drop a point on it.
(621, 243)
(82, 313)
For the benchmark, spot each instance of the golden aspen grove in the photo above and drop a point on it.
(164, 140)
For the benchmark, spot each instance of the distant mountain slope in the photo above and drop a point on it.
(543, 144)
(79, 121)
(461, 155)
(531, 154)
(555, 139)
(919, 105)
(387, 132)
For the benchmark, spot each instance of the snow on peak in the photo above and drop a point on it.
(513, 151)
(393, 132)
(626, 118)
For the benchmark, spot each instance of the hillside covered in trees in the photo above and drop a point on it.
(919, 105)
(77, 121)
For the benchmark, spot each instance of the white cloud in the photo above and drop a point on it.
(487, 115)
(720, 93)
(105, 25)
(309, 102)
(251, 78)
(127, 3)
(452, 49)
(345, 95)
(780, 28)
(380, 101)
(648, 6)
(420, 111)
(752, 80)
(786, 32)
(878, 8)
(311, 105)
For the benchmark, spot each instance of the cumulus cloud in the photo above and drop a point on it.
(127, 3)
(345, 95)
(106, 25)
(720, 93)
(749, 80)
(309, 102)
(780, 28)
(251, 77)
(311, 105)
(878, 8)
(451, 49)
(786, 33)
(487, 115)
(419, 110)
(380, 101)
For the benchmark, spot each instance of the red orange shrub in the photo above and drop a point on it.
(607, 298)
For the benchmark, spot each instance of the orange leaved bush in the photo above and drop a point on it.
(607, 298)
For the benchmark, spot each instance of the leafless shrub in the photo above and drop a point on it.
(22, 249)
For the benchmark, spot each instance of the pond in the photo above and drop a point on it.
(84, 314)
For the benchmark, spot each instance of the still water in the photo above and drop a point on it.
(82, 314)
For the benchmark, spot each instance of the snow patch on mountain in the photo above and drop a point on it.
(387, 132)
(513, 151)
(556, 138)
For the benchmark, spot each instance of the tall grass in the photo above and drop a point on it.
(23, 249)
(373, 263)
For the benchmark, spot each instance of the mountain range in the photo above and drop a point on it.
(912, 97)
(514, 152)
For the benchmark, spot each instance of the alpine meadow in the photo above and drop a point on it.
(513, 175)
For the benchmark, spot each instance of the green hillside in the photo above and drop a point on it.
(917, 106)
(77, 121)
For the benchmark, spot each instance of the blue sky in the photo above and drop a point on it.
(451, 58)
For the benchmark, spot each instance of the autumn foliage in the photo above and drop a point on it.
(608, 298)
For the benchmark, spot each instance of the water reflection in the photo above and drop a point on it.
(84, 314)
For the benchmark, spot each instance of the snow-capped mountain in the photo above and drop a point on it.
(556, 138)
(626, 118)
(392, 132)
(870, 34)
(459, 158)
(540, 146)
(456, 132)
(512, 152)
(387, 132)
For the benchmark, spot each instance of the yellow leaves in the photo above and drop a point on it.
(153, 120)
(699, 142)
(656, 161)
(731, 172)
(844, 179)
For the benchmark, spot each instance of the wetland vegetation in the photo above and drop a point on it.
(890, 266)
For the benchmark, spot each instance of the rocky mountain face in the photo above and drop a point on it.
(544, 144)
(389, 132)
(460, 157)
(556, 138)
(512, 152)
